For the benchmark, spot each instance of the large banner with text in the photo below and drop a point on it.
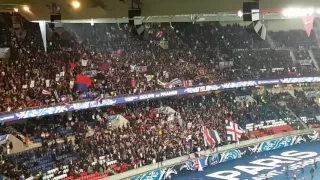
(203, 161)
(148, 96)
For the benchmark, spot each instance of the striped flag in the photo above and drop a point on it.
(201, 71)
(234, 132)
(159, 34)
(56, 95)
(187, 83)
(45, 92)
(176, 82)
(211, 137)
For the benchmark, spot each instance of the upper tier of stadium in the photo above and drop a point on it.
(209, 76)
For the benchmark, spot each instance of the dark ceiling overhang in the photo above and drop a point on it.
(152, 10)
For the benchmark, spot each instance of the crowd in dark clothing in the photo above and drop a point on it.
(199, 54)
(151, 135)
(124, 63)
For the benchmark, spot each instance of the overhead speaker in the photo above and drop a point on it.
(55, 17)
(251, 11)
(55, 21)
(133, 13)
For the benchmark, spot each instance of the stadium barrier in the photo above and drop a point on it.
(24, 114)
(163, 170)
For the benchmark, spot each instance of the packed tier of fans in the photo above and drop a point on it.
(155, 131)
(123, 63)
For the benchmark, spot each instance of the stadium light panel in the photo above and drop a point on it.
(26, 8)
(310, 11)
(92, 22)
(75, 4)
(298, 12)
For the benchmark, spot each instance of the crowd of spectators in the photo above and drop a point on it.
(151, 135)
(295, 39)
(124, 63)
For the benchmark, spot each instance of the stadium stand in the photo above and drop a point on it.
(130, 65)
(93, 144)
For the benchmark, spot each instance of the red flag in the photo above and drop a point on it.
(45, 92)
(201, 72)
(186, 83)
(308, 23)
(133, 83)
(72, 66)
(81, 79)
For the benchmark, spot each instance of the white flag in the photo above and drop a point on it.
(71, 84)
(48, 83)
(84, 62)
(57, 77)
(32, 84)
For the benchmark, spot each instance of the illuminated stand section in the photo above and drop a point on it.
(147, 96)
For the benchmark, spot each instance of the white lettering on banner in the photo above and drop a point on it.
(192, 90)
(230, 175)
(239, 84)
(131, 98)
(202, 89)
(93, 104)
(212, 88)
(83, 105)
(289, 80)
(268, 82)
(108, 102)
(254, 170)
(313, 79)
(6, 118)
(146, 96)
(48, 111)
(61, 109)
(168, 93)
(270, 162)
(21, 115)
(267, 164)
(75, 106)
(300, 80)
(301, 155)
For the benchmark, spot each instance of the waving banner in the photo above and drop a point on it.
(308, 23)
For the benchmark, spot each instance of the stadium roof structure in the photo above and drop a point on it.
(116, 11)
